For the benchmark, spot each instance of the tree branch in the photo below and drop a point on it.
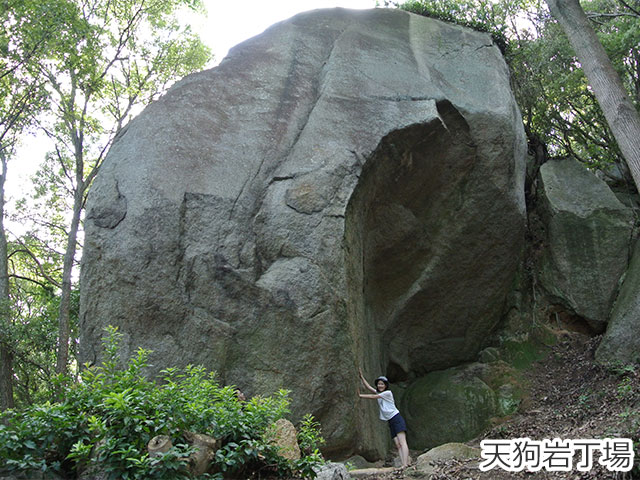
(35, 259)
(625, 4)
(32, 280)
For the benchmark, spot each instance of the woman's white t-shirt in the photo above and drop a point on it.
(387, 405)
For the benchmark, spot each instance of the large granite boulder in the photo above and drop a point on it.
(345, 189)
(589, 233)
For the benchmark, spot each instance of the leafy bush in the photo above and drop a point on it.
(309, 440)
(106, 420)
(481, 16)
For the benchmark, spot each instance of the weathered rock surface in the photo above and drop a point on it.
(621, 342)
(372, 473)
(285, 438)
(332, 471)
(424, 467)
(345, 189)
(357, 462)
(455, 404)
(589, 233)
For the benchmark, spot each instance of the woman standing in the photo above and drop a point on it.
(389, 413)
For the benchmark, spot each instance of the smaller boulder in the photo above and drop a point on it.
(425, 464)
(621, 343)
(489, 355)
(332, 471)
(359, 462)
(448, 405)
(369, 473)
(588, 237)
(285, 438)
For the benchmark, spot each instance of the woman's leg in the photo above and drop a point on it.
(403, 449)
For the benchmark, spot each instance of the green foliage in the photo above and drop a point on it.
(625, 388)
(26, 35)
(584, 401)
(77, 71)
(622, 369)
(109, 60)
(106, 420)
(309, 435)
(480, 15)
(32, 327)
(310, 440)
(557, 105)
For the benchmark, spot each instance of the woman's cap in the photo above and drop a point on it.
(383, 378)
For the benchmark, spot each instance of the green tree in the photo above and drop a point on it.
(79, 69)
(560, 111)
(27, 27)
(557, 106)
(618, 108)
(111, 58)
(35, 274)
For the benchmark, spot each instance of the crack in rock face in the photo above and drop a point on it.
(344, 190)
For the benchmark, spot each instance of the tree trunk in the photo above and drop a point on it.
(6, 354)
(64, 324)
(618, 109)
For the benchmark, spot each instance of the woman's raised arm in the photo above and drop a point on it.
(365, 383)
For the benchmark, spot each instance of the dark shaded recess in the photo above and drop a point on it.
(395, 373)
(406, 199)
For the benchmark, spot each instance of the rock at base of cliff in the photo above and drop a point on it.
(621, 342)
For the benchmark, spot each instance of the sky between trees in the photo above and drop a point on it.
(225, 25)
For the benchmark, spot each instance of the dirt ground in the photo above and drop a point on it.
(569, 397)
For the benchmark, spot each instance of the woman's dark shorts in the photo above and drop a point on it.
(397, 425)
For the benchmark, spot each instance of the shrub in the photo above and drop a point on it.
(106, 420)
(309, 440)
